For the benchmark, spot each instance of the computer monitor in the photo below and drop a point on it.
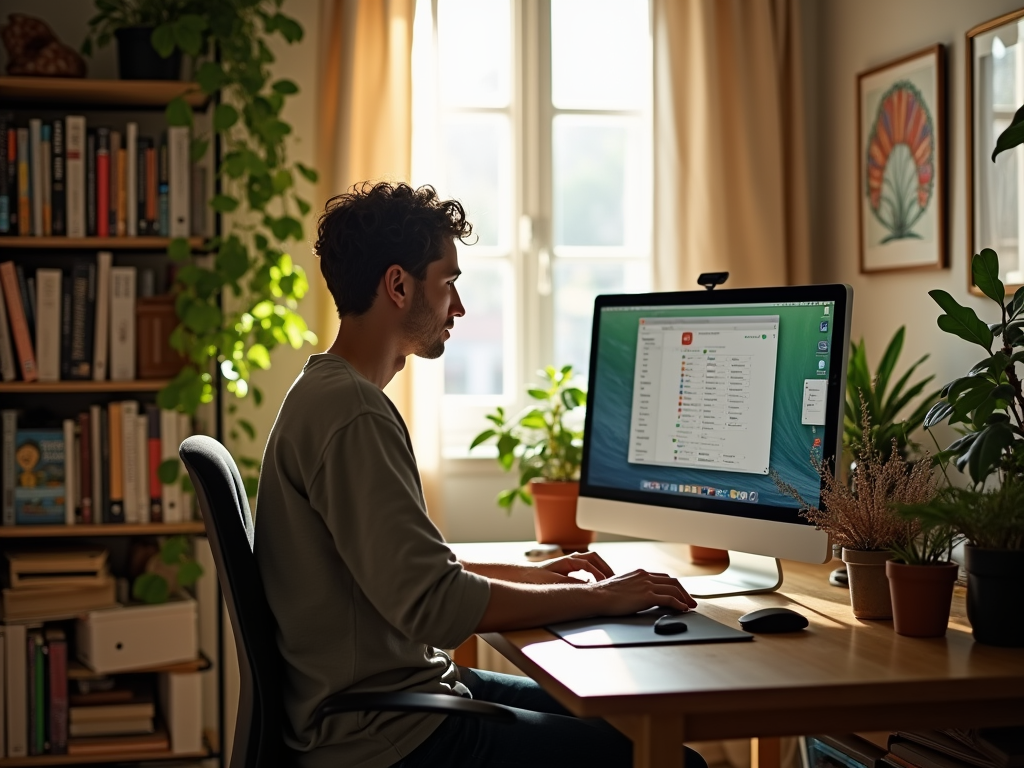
(696, 399)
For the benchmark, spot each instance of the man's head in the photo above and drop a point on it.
(364, 232)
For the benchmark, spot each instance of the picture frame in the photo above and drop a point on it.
(901, 163)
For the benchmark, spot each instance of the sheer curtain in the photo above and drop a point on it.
(365, 134)
(730, 168)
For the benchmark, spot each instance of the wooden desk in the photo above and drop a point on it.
(837, 676)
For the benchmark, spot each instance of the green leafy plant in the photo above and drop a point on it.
(176, 564)
(121, 14)
(883, 404)
(250, 259)
(538, 442)
(991, 518)
(933, 545)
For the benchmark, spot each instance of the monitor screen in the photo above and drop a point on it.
(698, 399)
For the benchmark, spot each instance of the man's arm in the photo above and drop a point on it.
(554, 571)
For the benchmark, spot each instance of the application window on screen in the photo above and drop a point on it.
(704, 393)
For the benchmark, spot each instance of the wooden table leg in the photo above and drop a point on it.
(465, 654)
(657, 739)
(766, 752)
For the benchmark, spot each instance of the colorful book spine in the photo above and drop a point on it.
(122, 193)
(152, 184)
(96, 458)
(83, 309)
(58, 181)
(103, 182)
(90, 182)
(115, 465)
(163, 191)
(6, 121)
(46, 177)
(35, 648)
(48, 299)
(85, 466)
(115, 151)
(35, 166)
(8, 432)
(143, 146)
(156, 510)
(26, 286)
(75, 209)
(39, 482)
(8, 366)
(18, 322)
(131, 136)
(66, 311)
(57, 648)
(24, 185)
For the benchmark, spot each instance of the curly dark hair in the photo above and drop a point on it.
(374, 226)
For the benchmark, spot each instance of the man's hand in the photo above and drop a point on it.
(639, 590)
(589, 562)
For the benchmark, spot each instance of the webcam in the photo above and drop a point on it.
(710, 279)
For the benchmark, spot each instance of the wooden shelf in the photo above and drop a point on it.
(78, 671)
(87, 92)
(93, 243)
(71, 387)
(111, 757)
(112, 529)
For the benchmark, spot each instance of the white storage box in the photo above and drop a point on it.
(139, 636)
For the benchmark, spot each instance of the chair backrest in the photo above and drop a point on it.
(221, 497)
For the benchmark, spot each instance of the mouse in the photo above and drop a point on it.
(770, 620)
(670, 625)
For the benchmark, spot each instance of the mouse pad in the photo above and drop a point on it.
(604, 631)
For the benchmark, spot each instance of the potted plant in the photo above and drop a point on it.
(135, 24)
(860, 517)
(987, 404)
(166, 572)
(546, 451)
(921, 577)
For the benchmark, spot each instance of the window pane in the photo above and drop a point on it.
(600, 54)
(474, 52)
(474, 357)
(589, 170)
(476, 160)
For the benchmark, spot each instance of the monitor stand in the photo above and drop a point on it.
(746, 575)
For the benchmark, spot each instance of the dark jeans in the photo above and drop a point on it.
(546, 734)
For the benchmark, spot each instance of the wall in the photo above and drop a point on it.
(851, 37)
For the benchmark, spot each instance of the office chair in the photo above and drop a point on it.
(259, 725)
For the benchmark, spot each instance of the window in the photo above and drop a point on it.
(536, 115)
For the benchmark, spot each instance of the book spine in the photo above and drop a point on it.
(58, 693)
(9, 424)
(178, 180)
(122, 192)
(24, 185)
(67, 303)
(19, 323)
(115, 170)
(70, 492)
(6, 120)
(36, 692)
(85, 466)
(58, 181)
(35, 164)
(142, 467)
(79, 335)
(122, 323)
(132, 179)
(184, 497)
(12, 179)
(90, 182)
(16, 672)
(169, 452)
(156, 510)
(143, 145)
(96, 414)
(101, 326)
(48, 299)
(8, 369)
(75, 209)
(115, 465)
(103, 182)
(163, 190)
(129, 458)
(76, 475)
(152, 192)
(28, 301)
(45, 176)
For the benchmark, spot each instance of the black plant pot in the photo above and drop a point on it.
(994, 581)
(138, 60)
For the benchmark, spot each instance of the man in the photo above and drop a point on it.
(362, 585)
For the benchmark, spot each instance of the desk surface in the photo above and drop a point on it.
(841, 674)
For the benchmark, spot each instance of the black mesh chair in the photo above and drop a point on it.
(258, 728)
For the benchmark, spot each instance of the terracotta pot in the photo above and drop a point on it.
(869, 586)
(554, 516)
(707, 555)
(994, 578)
(921, 596)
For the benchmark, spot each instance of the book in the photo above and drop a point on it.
(905, 752)
(144, 145)
(58, 181)
(24, 184)
(185, 499)
(121, 220)
(178, 164)
(62, 567)
(90, 182)
(18, 321)
(70, 461)
(136, 709)
(48, 301)
(16, 673)
(162, 189)
(156, 513)
(122, 323)
(129, 460)
(8, 366)
(181, 702)
(45, 176)
(103, 182)
(39, 477)
(112, 745)
(57, 602)
(35, 166)
(85, 467)
(36, 692)
(8, 431)
(66, 299)
(80, 324)
(101, 326)
(115, 171)
(131, 139)
(3, 697)
(6, 123)
(171, 492)
(57, 646)
(26, 287)
(114, 512)
(142, 467)
(111, 727)
(198, 200)
(96, 461)
(12, 178)
(75, 167)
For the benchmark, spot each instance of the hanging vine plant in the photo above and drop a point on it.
(257, 187)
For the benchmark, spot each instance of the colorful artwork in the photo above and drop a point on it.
(902, 180)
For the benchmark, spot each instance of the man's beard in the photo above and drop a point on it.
(422, 328)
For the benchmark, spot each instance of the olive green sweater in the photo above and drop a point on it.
(363, 586)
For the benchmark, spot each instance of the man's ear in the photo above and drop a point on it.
(396, 286)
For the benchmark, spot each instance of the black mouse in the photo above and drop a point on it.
(769, 620)
(670, 625)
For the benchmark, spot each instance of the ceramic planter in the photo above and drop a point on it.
(138, 60)
(994, 581)
(921, 596)
(869, 586)
(554, 515)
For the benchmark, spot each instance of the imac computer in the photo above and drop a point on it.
(697, 401)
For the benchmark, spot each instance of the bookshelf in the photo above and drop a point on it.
(111, 103)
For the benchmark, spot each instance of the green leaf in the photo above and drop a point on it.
(174, 548)
(248, 428)
(885, 367)
(162, 40)
(258, 356)
(309, 174)
(168, 471)
(189, 573)
(223, 203)
(987, 450)
(483, 437)
(197, 149)
(179, 249)
(539, 394)
(281, 181)
(1012, 135)
(178, 112)
(285, 87)
(211, 77)
(985, 269)
(288, 27)
(304, 207)
(188, 33)
(224, 116)
(962, 321)
(151, 588)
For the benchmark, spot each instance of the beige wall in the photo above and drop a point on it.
(850, 36)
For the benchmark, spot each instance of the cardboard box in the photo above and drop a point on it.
(138, 636)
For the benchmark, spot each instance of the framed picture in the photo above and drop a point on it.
(901, 176)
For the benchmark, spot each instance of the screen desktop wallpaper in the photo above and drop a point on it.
(792, 443)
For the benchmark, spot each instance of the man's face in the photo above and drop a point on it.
(435, 305)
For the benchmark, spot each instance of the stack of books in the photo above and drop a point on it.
(110, 713)
(956, 748)
(56, 584)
